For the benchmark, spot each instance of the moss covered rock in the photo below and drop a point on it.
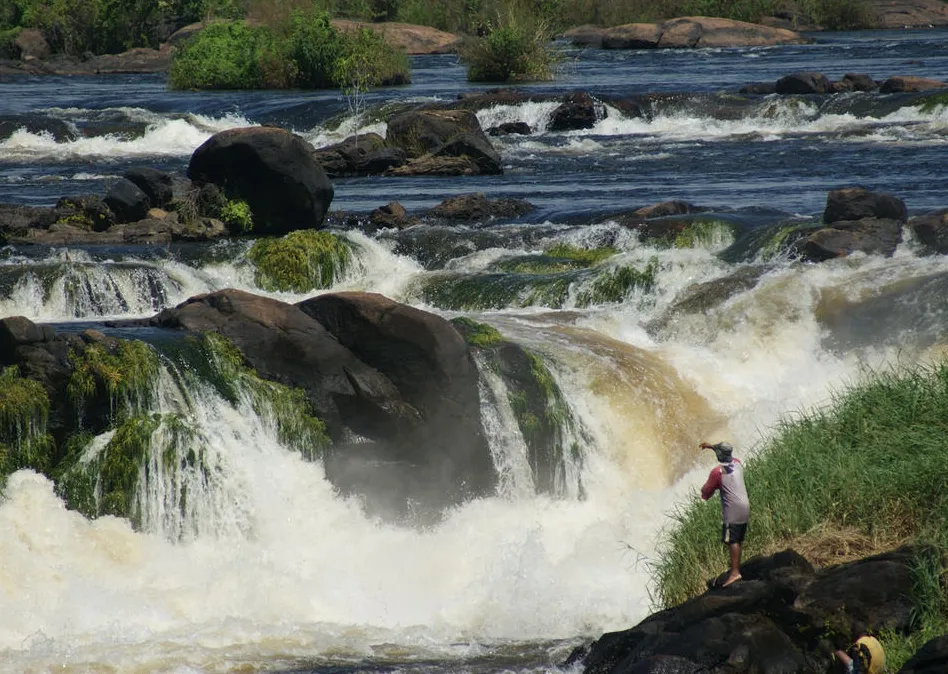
(301, 261)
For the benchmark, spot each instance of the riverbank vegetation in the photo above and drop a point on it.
(104, 26)
(865, 475)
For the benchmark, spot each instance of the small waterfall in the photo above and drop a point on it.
(504, 435)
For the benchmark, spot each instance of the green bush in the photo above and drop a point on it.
(222, 56)
(517, 49)
(368, 61)
(315, 46)
(237, 216)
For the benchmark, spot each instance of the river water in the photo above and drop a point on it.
(510, 583)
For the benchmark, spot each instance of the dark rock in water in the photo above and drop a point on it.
(804, 83)
(578, 110)
(873, 236)
(418, 132)
(430, 165)
(391, 215)
(127, 201)
(365, 154)
(760, 88)
(477, 206)
(856, 203)
(157, 185)
(856, 82)
(273, 170)
(900, 84)
(430, 364)
(932, 230)
(784, 616)
(932, 658)
(17, 219)
(59, 130)
(89, 212)
(510, 128)
(474, 147)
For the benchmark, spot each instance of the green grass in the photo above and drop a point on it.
(873, 462)
(301, 261)
(515, 48)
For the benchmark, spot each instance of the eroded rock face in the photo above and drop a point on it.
(273, 170)
(430, 365)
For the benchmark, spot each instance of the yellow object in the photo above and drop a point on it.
(867, 652)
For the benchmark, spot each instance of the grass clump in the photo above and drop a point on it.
(123, 371)
(237, 216)
(588, 257)
(24, 412)
(705, 234)
(872, 462)
(476, 334)
(301, 261)
(288, 409)
(516, 49)
(932, 103)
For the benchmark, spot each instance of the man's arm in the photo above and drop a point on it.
(713, 483)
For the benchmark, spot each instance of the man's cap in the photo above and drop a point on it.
(723, 451)
(868, 653)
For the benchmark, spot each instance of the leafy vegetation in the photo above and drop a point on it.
(615, 285)
(123, 372)
(870, 465)
(301, 261)
(237, 216)
(24, 411)
(517, 48)
(305, 51)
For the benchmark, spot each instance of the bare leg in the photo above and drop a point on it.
(735, 572)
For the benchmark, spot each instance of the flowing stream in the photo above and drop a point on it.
(269, 569)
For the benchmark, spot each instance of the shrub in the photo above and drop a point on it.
(237, 216)
(222, 56)
(369, 61)
(517, 49)
(315, 46)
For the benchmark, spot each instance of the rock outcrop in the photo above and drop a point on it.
(684, 32)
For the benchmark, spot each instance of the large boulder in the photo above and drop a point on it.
(273, 170)
(908, 83)
(157, 185)
(872, 236)
(804, 83)
(703, 31)
(411, 38)
(127, 201)
(578, 110)
(856, 203)
(365, 154)
(932, 658)
(932, 230)
(418, 132)
(784, 616)
(430, 364)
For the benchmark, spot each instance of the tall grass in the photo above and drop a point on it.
(516, 47)
(874, 461)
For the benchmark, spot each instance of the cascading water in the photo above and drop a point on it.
(244, 558)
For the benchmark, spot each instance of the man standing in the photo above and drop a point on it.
(728, 476)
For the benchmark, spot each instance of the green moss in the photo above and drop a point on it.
(81, 220)
(24, 411)
(287, 408)
(705, 234)
(586, 256)
(237, 216)
(779, 241)
(476, 334)
(496, 291)
(301, 261)
(615, 285)
(125, 371)
(931, 103)
(121, 463)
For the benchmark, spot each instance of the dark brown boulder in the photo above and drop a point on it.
(87, 211)
(36, 124)
(872, 236)
(418, 132)
(578, 110)
(286, 345)
(474, 147)
(273, 170)
(804, 83)
(902, 84)
(856, 82)
(477, 206)
(17, 219)
(932, 230)
(430, 364)
(157, 185)
(856, 203)
(784, 616)
(510, 128)
(391, 215)
(127, 201)
(365, 154)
